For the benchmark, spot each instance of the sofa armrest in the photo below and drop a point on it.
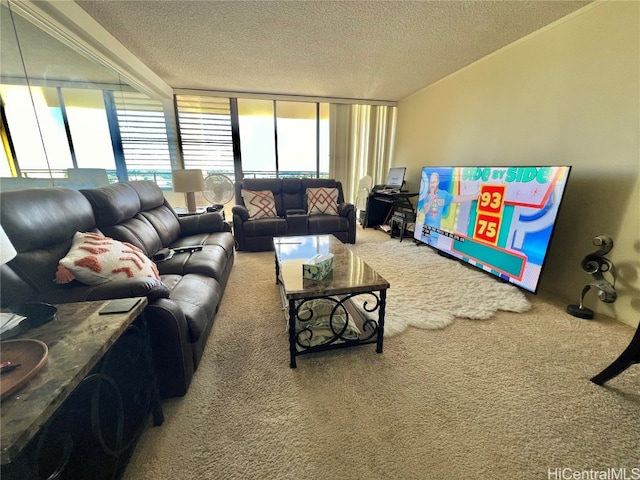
(345, 208)
(172, 351)
(296, 211)
(131, 287)
(241, 211)
(205, 223)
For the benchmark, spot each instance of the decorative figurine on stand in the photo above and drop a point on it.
(597, 265)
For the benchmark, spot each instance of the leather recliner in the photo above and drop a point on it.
(41, 223)
(256, 234)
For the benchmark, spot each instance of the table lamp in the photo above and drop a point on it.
(7, 251)
(188, 181)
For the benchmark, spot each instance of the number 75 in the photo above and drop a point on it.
(487, 228)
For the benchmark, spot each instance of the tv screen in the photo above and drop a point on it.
(498, 219)
(395, 178)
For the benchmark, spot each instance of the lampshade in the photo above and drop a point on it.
(7, 252)
(188, 180)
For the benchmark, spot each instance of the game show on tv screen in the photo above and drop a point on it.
(498, 219)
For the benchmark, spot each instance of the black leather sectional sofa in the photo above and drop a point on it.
(41, 223)
(256, 234)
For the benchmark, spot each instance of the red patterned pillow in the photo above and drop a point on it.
(94, 259)
(322, 201)
(259, 203)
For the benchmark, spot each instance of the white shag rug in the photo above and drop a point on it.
(429, 291)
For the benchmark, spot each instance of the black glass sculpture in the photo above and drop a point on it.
(597, 265)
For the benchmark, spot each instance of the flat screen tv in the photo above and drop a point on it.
(498, 219)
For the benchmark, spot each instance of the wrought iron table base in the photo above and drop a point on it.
(373, 331)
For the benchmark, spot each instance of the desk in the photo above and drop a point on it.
(380, 206)
(98, 378)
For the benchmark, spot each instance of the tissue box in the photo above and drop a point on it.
(318, 267)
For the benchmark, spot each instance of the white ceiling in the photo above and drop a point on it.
(367, 49)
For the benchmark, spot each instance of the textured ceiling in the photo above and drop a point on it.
(373, 50)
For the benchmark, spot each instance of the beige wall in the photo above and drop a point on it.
(566, 95)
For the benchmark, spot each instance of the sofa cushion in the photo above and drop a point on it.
(138, 231)
(164, 222)
(322, 201)
(149, 193)
(94, 259)
(292, 195)
(211, 261)
(266, 227)
(155, 209)
(259, 203)
(320, 224)
(40, 222)
(198, 297)
(113, 204)
(54, 213)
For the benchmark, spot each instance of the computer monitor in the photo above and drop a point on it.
(395, 178)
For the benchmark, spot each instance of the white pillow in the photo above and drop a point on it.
(94, 259)
(259, 203)
(322, 201)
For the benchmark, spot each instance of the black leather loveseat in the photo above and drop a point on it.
(41, 223)
(292, 215)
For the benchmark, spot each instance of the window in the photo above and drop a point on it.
(88, 127)
(143, 138)
(297, 139)
(283, 138)
(257, 138)
(206, 133)
(37, 153)
(7, 164)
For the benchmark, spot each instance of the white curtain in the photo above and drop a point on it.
(361, 144)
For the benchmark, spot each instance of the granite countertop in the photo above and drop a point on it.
(77, 339)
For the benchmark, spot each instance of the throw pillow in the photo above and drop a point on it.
(94, 259)
(259, 203)
(322, 201)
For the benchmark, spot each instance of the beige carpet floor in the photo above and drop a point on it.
(504, 398)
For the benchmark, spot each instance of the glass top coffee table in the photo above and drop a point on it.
(344, 309)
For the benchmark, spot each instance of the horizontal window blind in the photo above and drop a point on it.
(143, 131)
(205, 132)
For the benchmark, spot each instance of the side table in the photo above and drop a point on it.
(401, 221)
(184, 212)
(90, 401)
